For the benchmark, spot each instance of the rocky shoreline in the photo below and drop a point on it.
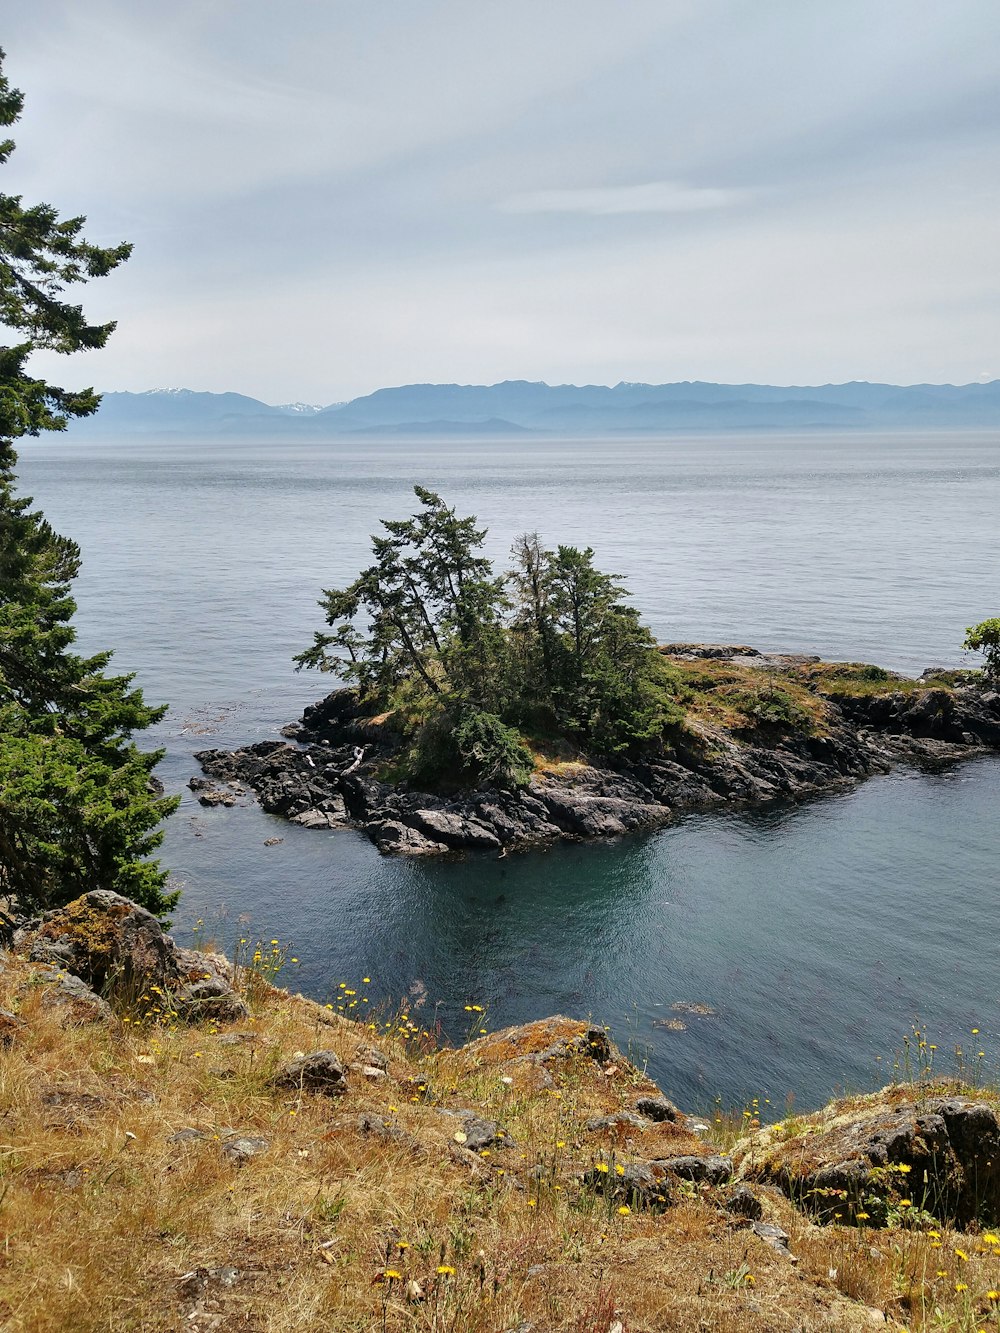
(262, 1152)
(325, 775)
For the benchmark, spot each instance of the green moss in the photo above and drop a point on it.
(862, 679)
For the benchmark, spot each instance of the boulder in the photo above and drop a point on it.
(108, 942)
(658, 1109)
(454, 830)
(320, 1071)
(371, 1055)
(392, 837)
(742, 1202)
(478, 1132)
(240, 1148)
(620, 1122)
(637, 1185)
(80, 1004)
(711, 1170)
(939, 1154)
(212, 997)
(103, 944)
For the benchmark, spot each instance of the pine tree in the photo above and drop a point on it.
(78, 806)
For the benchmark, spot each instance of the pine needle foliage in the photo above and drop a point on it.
(78, 807)
(476, 662)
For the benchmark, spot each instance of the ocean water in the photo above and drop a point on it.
(817, 936)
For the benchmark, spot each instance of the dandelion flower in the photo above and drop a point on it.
(960, 1254)
(445, 1270)
(391, 1275)
(961, 1286)
(991, 1238)
(624, 1210)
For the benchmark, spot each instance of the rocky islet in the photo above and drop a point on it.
(329, 772)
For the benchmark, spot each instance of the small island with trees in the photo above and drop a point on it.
(490, 711)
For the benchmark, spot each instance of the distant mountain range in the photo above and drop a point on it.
(520, 406)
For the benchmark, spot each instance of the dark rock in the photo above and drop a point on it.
(381, 1128)
(333, 783)
(638, 1185)
(593, 1043)
(81, 1003)
(744, 1203)
(371, 1055)
(211, 998)
(188, 1135)
(774, 1236)
(479, 1133)
(714, 1170)
(658, 1108)
(320, 1071)
(942, 1153)
(103, 942)
(454, 830)
(710, 650)
(621, 1120)
(108, 942)
(390, 836)
(241, 1148)
(214, 796)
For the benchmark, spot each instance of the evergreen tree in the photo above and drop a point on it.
(598, 667)
(431, 608)
(467, 661)
(78, 805)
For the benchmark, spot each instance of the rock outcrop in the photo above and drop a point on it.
(326, 776)
(873, 1159)
(103, 946)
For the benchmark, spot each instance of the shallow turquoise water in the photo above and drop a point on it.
(818, 935)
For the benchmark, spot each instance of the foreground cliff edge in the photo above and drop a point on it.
(757, 729)
(186, 1146)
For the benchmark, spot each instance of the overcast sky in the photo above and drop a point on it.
(327, 196)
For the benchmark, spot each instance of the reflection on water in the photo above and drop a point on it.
(816, 935)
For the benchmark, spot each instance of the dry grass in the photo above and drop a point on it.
(108, 1225)
(721, 694)
(859, 678)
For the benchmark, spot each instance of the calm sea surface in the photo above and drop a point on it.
(817, 935)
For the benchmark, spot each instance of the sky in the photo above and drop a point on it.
(328, 196)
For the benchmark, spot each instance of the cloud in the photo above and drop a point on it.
(653, 197)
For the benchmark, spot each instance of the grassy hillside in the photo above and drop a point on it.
(158, 1176)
